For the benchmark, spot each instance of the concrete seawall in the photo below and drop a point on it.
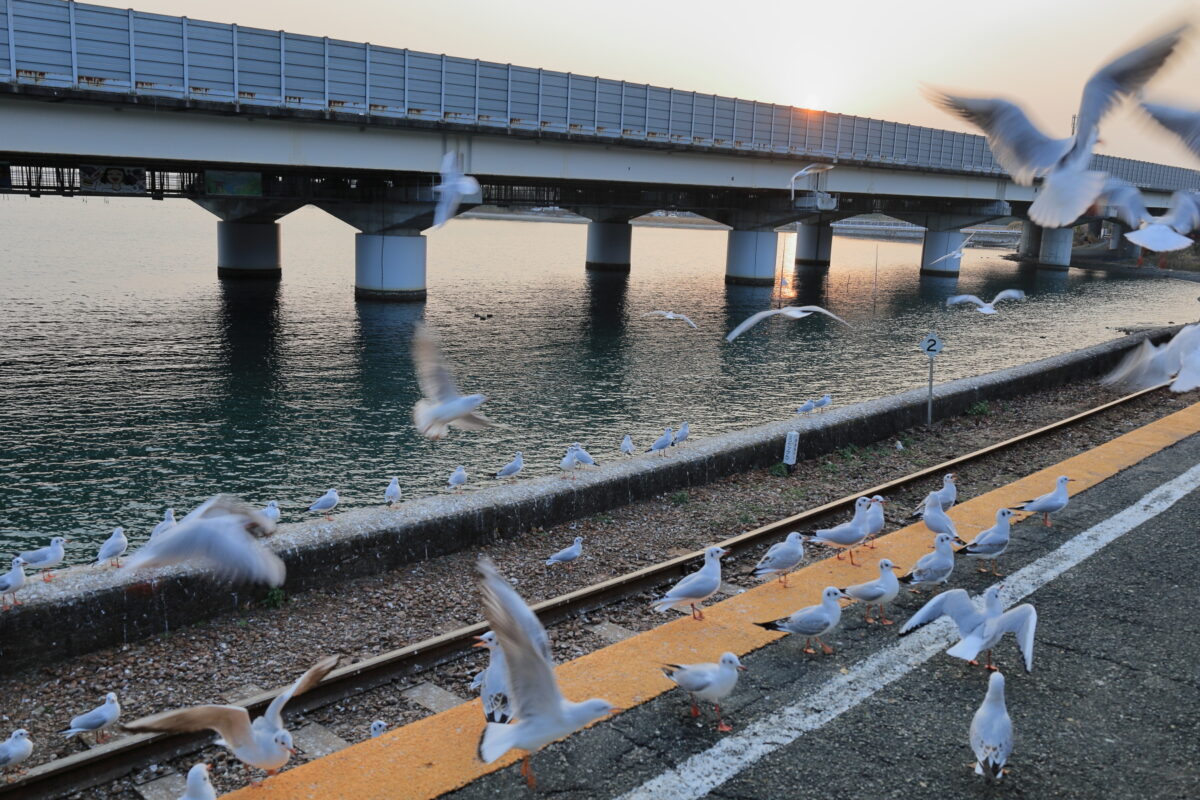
(90, 607)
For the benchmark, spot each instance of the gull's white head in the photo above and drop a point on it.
(1063, 480)
(862, 503)
(951, 477)
(19, 562)
(578, 540)
(57, 541)
(197, 776)
(714, 552)
(272, 504)
(488, 640)
(886, 564)
(19, 733)
(284, 740)
(588, 710)
(731, 660)
(795, 537)
(1003, 514)
(833, 593)
(110, 698)
(378, 728)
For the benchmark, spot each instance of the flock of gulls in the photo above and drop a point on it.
(522, 703)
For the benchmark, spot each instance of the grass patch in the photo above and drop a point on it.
(795, 493)
(275, 598)
(779, 470)
(980, 409)
(603, 519)
(679, 499)
(746, 518)
(849, 453)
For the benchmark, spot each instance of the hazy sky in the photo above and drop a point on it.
(863, 57)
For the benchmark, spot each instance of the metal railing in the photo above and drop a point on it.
(84, 46)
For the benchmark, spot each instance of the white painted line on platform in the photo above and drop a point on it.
(705, 771)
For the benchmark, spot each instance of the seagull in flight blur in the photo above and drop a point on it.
(811, 169)
(669, 315)
(1162, 234)
(1180, 121)
(791, 312)
(441, 406)
(451, 190)
(986, 308)
(1069, 188)
(956, 254)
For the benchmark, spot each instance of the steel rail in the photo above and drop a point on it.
(111, 761)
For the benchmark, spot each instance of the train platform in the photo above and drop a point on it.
(1110, 709)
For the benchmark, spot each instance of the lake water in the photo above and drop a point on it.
(132, 379)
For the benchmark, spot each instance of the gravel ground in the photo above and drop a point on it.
(214, 661)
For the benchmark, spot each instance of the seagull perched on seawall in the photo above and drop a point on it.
(270, 510)
(513, 467)
(392, 493)
(492, 681)
(991, 734)
(97, 720)
(1070, 187)
(1051, 502)
(583, 456)
(168, 522)
(695, 588)
(936, 567)
(682, 434)
(113, 548)
(220, 534)
(441, 407)
(15, 749)
(11, 581)
(627, 445)
(979, 632)
(711, 682)
(791, 312)
(199, 787)
(325, 504)
(813, 622)
(982, 307)
(781, 558)
(670, 315)
(46, 557)
(569, 463)
(663, 442)
(542, 714)
(992, 543)
(822, 402)
(848, 535)
(877, 592)
(453, 188)
(568, 554)
(265, 743)
(806, 407)
(458, 478)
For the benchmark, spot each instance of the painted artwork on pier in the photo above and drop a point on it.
(107, 178)
(233, 184)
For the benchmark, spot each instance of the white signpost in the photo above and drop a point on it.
(931, 345)
(790, 446)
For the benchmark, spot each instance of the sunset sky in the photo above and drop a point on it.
(865, 57)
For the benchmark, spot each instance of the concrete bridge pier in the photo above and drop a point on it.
(750, 257)
(1031, 241)
(248, 238)
(389, 250)
(936, 245)
(609, 245)
(1055, 252)
(814, 244)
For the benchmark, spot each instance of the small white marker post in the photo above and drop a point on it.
(931, 345)
(789, 450)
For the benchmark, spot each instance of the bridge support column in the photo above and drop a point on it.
(936, 245)
(750, 258)
(814, 244)
(389, 266)
(1055, 252)
(609, 245)
(248, 250)
(1031, 241)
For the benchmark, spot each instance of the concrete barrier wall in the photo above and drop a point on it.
(90, 607)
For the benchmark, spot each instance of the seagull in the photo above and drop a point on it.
(458, 478)
(1161, 234)
(811, 169)
(1069, 188)
(15, 750)
(542, 713)
(848, 535)
(662, 443)
(782, 558)
(95, 721)
(392, 493)
(198, 785)
(627, 445)
(271, 510)
(325, 503)
(219, 532)
(511, 469)
(813, 622)
(711, 682)
(791, 312)
(992, 543)
(880, 591)
(11, 581)
(986, 308)
(441, 406)
(582, 456)
(1047, 504)
(113, 548)
(378, 728)
(956, 253)
(453, 188)
(46, 557)
(682, 434)
(695, 588)
(936, 567)
(992, 731)
(875, 518)
(670, 315)
(1182, 122)
(945, 495)
(935, 518)
(807, 407)
(567, 555)
(570, 463)
(265, 743)
(168, 522)
(823, 401)
(492, 682)
(1189, 373)
(979, 632)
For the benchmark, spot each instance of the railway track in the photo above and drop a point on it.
(109, 762)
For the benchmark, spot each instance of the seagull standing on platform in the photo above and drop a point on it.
(875, 518)
(935, 518)
(936, 567)
(542, 714)
(991, 733)
(695, 588)
(946, 496)
(982, 307)
(441, 406)
(199, 787)
(453, 188)
(813, 622)
(113, 548)
(992, 543)
(670, 315)
(1051, 502)
(325, 504)
(97, 720)
(878, 592)
(11, 581)
(392, 493)
(1070, 187)
(791, 312)
(265, 743)
(492, 682)
(848, 535)
(781, 558)
(46, 558)
(979, 632)
(711, 682)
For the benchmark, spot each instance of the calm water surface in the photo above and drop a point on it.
(131, 379)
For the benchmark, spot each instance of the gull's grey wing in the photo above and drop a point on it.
(963, 298)
(1008, 294)
(751, 321)
(1183, 215)
(954, 604)
(808, 621)
(433, 374)
(1023, 150)
(819, 310)
(769, 556)
(1127, 200)
(867, 592)
(473, 422)
(1183, 123)
(686, 319)
(315, 674)
(231, 722)
(1022, 622)
(691, 677)
(698, 584)
(223, 541)
(91, 720)
(534, 690)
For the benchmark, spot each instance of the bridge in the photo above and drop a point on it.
(252, 124)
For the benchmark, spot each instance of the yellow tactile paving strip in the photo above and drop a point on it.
(437, 754)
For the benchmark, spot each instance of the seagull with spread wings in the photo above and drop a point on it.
(441, 406)
(956, 253)
(791, 312)
(979, 632)
(1162, 234)
(982, 307)
(670, 315)
(453, 188)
